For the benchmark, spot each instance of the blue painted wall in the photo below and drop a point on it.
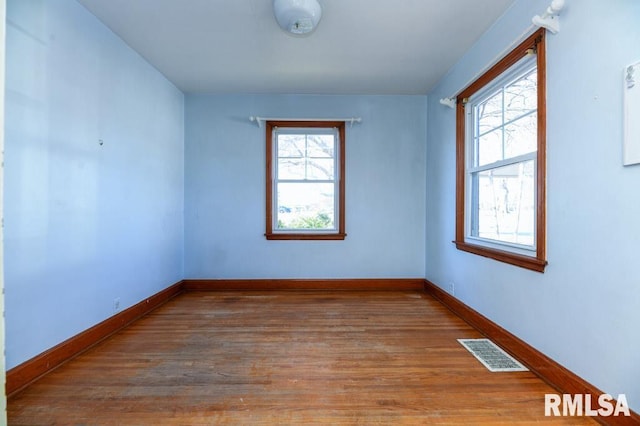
(225, 189)
(84, 223)
(584, 310)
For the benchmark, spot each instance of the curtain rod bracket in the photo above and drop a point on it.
(450, 102)
(549, 19)
(257, 120)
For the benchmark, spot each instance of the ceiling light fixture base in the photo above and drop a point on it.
(297, 17)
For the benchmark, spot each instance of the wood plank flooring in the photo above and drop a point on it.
(286, 358)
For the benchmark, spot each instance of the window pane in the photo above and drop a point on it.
(305, 206)
(291, 168)
(521, 97)
(504, 204)
(490, 148)
(489, 113)
(521, 136)
(321, 169)
(320, 146)
(502, 134)
(291, 145)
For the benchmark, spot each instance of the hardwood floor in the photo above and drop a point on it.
(286, 358)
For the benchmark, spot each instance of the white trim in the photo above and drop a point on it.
(506, 123)
(516, 248)
(503, 163)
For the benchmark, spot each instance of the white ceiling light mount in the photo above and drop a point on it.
(298, 17)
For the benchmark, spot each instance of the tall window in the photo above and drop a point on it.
(501, 134)
(305, 180)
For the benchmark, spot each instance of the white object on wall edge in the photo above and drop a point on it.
(449, 102)
(549, 19)
(631, 115)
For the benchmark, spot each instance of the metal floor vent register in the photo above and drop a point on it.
(491, 356)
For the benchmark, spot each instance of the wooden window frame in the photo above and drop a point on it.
(538, 262)
(340, 233)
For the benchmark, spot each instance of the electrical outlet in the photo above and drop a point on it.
(452, 288)
(116, 304)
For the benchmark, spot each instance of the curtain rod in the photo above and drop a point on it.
(261, 120)
(548, 20)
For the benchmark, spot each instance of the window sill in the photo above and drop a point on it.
(307, 237)
(531, 263)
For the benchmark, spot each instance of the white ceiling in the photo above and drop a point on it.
(359, 47)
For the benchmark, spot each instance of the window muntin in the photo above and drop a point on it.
(305, 180)
(501, 159)
(505, 119)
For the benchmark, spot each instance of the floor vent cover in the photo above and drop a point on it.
(491, 356)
